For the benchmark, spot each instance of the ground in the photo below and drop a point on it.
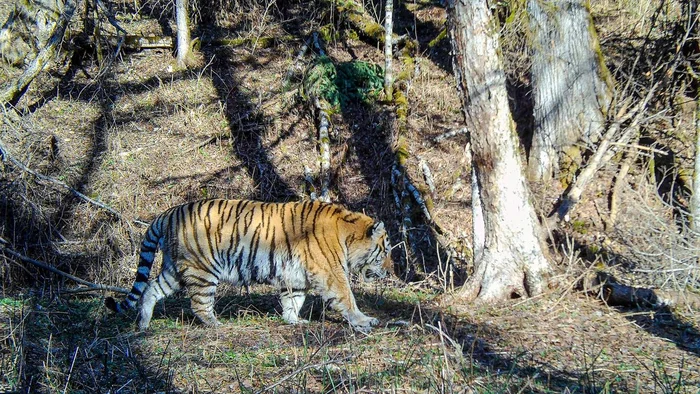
(142, 135)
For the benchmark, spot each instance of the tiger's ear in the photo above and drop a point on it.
(376, 230)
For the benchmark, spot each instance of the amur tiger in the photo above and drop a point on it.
(295, 246)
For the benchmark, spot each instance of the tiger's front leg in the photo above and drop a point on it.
(343, 301)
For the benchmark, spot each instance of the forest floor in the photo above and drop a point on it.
(142, 135)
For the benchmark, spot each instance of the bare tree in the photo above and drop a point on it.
(571, 86)
(183, 32)
(388, 53)
(512, 263)
(694, 33)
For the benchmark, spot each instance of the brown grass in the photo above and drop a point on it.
(145, 137)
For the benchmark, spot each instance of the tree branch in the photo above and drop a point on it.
(5, 156)
(602, 155)
(47, 267)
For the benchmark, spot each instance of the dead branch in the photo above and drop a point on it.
(324, 154)
(15, 89)
(297, 372)
(93, 286)
(296, 65)
(450, 134)
(6, 156)
(427, 175)
(413, 192)
(614, 293)
(617, 188)
(603, 154)
(110, 16)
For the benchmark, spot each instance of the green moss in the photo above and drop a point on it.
(402, 153)
(605, 74)
(580, 226)
(341, 83)
(375, 30)
(569, 163)
(441, 36)
(328, 33)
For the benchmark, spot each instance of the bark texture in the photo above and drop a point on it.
(183, 32)
(27, 30)
(512, 263)
(388, 53)
(571, 85)
(695, 199)
(12, 91)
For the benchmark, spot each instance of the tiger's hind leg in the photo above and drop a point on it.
(164, 285)
(292, 301)
(202, 289)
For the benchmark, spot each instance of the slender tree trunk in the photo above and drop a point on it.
(388, 29)
(183, 32)
(695, 199)
(571, 86)
(512, 263)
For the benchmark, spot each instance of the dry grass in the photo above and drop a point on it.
(144, 137)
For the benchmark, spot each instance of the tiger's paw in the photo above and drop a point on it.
(364, 323)
(294, 320)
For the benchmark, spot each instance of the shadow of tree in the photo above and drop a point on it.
(247, 142)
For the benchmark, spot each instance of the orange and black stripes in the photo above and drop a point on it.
(295, 245)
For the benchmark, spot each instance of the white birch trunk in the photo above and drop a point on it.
(388, 29)
(568, 89)
(695, 199)
(183, 32)
(324, 151)
(512, 263)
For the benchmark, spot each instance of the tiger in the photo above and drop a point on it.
(295, 246)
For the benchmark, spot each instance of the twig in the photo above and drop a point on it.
(296, 65)
(5, 155)
(295, 373)
(427, 175)
(110, 16)
(70, 371)
(602, 155)
(415, 193)
(450, 134)
(47, 267)
(617, 188)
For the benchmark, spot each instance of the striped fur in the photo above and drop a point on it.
(295, 246)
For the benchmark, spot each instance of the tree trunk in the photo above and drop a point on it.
(183, 33)
(512, 263)
(571, 86)
(388, 29)
(695, 199)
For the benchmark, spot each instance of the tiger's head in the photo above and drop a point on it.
(371, 257)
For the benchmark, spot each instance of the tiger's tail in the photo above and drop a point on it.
(149, 246)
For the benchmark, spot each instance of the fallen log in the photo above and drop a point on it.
(608, 289)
